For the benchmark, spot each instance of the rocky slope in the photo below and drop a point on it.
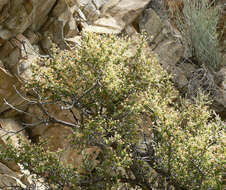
(27, 30)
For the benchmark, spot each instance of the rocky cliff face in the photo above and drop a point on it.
(27, 30)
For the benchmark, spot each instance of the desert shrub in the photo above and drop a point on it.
(41, 162)
(148, 135)
(198, 25)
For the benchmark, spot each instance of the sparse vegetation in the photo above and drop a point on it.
(198, 26)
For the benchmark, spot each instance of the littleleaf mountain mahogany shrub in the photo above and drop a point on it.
(148, 135)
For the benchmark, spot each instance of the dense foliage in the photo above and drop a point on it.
(148, 135)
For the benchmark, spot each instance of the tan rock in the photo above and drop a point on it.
(11, 128)
(163, 39)
(105, 25)
(71, 3)
(7, 91)
(40, 13)
(130, 30)
(56, 112)
(21, 57)
(90, 10)
(62, 16)
(33, 18)
(75, 157)
(24, 14)
(4, 8)
(7, 181)
(16, 52)
(170, 52)
(151, 23)
(2, 4)
(116, 15)
(70, 29)
(5, 170)
(18, 20)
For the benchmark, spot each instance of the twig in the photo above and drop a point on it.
(14, 108)
(21, 96)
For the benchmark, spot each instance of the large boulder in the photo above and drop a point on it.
(116, 15)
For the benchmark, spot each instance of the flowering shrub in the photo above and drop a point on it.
(148, 135)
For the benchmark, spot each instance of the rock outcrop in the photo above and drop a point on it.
(115, 15)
